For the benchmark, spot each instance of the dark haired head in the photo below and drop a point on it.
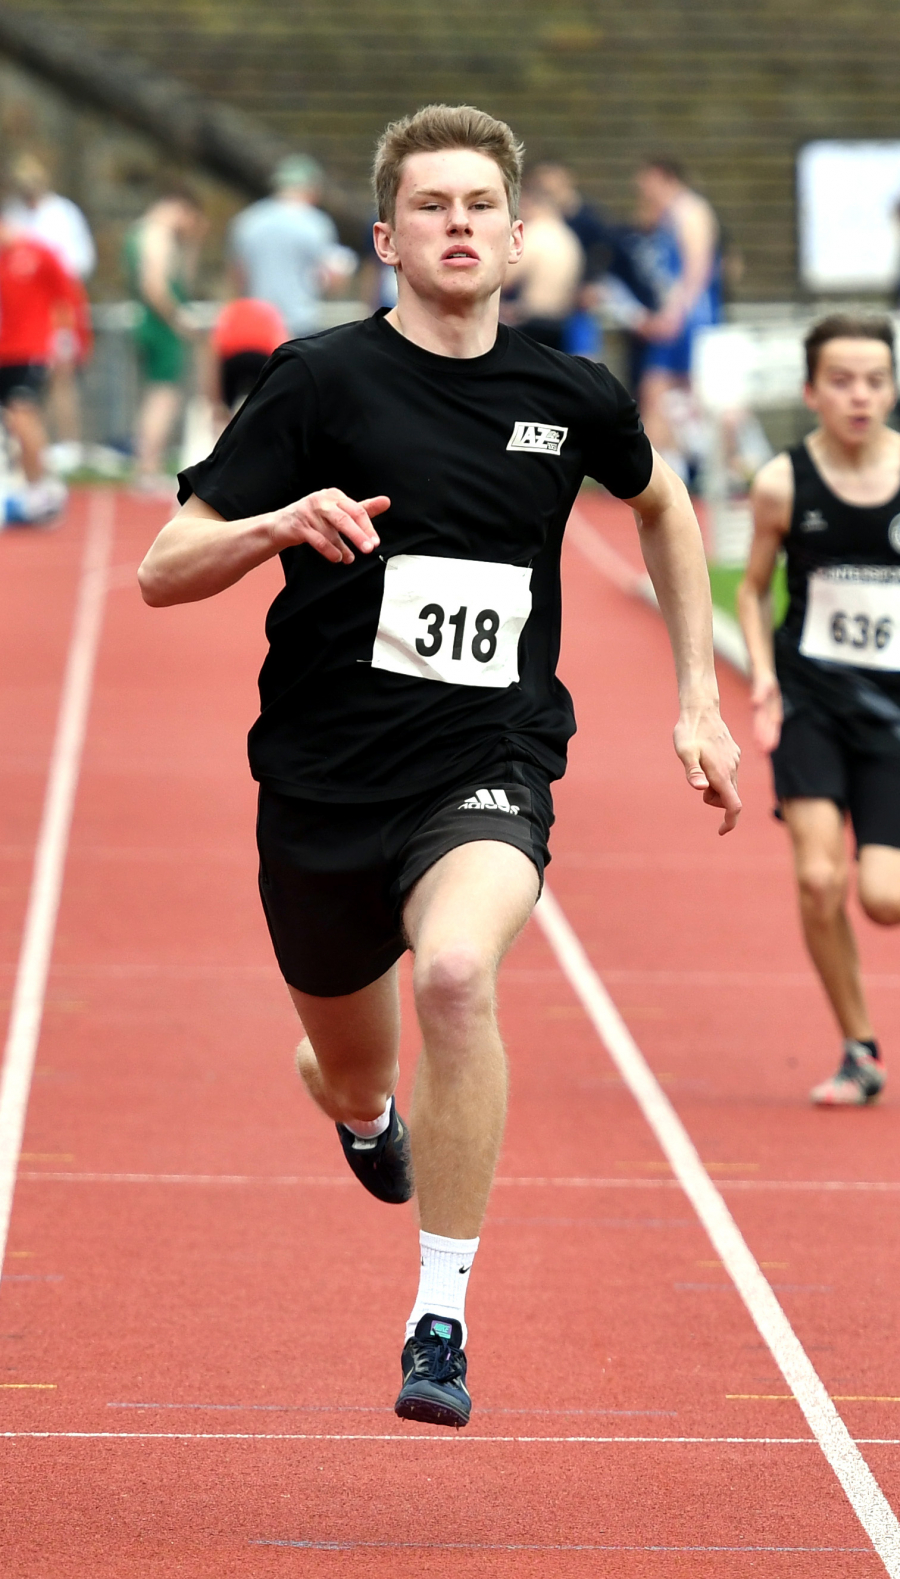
(181, 192)
(669, 167)
(845, 326)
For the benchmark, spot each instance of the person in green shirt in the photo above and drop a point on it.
(160, 256)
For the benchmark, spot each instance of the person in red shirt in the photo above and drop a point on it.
(247, 331)
(37, 297)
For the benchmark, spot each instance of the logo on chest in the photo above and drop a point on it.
(537, 438)
(894, 534)
(813, 521)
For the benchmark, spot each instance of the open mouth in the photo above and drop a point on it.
(459, 255)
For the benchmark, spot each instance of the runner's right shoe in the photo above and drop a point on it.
(434, 1387)
(383, 1165)
(858, 1081)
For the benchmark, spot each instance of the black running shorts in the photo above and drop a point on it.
(333, 877)
(813, 760)
(21, 381)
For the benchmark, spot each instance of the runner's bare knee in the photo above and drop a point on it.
(453, 985)
(823, 887)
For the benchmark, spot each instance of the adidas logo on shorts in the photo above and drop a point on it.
(489, 800)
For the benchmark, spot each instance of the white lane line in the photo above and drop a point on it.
(339, 1181)
(403, 1438)
(728, 639)
(860, 1486)
(50, 854)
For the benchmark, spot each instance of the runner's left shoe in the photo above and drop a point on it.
(858, 1081)
(383, 1165)
(434, 1387)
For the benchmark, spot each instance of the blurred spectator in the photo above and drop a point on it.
(608, 248)
(547, 277)
(160, 257)
(285, 249)
(681, 253)
(246, 333)
(59, 223)
(37, 297)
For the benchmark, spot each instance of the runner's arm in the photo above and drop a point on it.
(673, 553)
(772, 497)
(198, 553)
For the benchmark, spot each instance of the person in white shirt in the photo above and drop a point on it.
(59, 223)
(285, 249)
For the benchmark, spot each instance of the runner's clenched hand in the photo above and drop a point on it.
(328, 521)
(710, 758)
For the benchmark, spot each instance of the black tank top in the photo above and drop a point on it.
(826, 531)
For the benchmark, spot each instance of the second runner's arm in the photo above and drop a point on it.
(772, 498)
(673, 553)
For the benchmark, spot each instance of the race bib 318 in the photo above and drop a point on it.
(853, 616)
(453, 620)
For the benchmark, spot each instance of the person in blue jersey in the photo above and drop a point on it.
(681, 254)
(826, 685)
(411, 718)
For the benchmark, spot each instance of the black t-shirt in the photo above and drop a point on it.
(482, 459)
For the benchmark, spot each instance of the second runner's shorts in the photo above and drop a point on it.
(333, 878)
(816, 760)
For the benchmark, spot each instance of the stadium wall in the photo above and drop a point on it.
(733, 89)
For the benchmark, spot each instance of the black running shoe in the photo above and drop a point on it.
(383, 1165)
(859, 1080)
(434, 1375)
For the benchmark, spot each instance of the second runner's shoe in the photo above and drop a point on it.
(383, 1165)
(858, 1081)
(434, 1375)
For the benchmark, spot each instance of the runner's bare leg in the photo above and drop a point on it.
(820, 860)
(461, 918)
(348, 1060)
(878, 883)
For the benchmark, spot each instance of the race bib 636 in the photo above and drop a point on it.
(453, 620)
(853, 616)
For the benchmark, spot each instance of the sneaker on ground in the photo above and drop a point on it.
(858, 1081)
(383, 1165)
(37, 503)
(433, 1363)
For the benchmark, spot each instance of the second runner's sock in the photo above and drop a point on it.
(870, 1045)
(443, 1280)
(369, 1129)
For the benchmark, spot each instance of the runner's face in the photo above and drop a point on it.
(853, 390)
(452, 239)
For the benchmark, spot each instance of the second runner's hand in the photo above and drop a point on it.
(329, 521)
(710, 759)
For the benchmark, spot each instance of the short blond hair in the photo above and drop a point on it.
(440, 126)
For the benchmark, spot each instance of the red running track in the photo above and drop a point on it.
(202, 1309)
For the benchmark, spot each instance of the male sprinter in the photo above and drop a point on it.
(826, 690)
(411, 720)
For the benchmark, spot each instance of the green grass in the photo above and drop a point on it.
(724, 582)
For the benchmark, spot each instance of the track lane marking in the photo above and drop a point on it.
(33, 968)
(342, 1181)
(534, 1546)
(396, 1436)
(859, 1484)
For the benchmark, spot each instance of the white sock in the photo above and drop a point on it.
(443, 1280)
(368, 1128)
